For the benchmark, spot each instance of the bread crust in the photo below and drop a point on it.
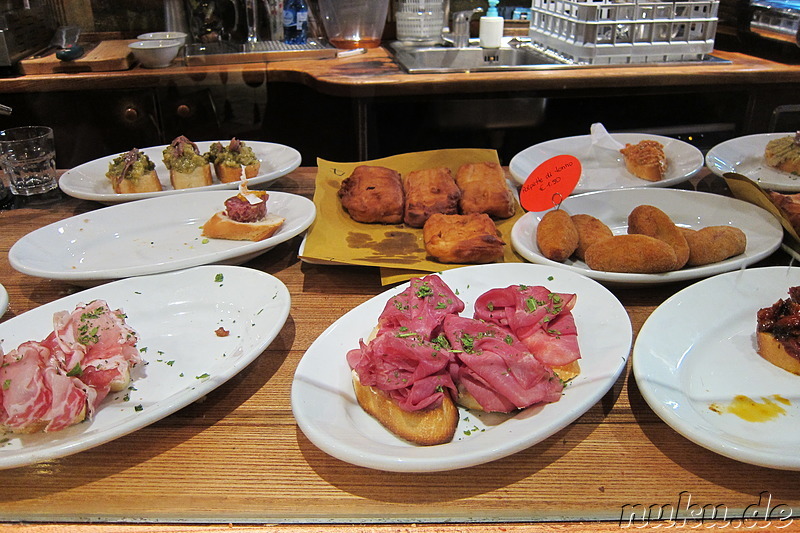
(645, 160)
(773, 351)
(462, 238)
(229, 174)
(220, 226)
(199, 177)
(149, 182)
(425, 427)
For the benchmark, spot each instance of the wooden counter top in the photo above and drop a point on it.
(376, 74)
(239, 458)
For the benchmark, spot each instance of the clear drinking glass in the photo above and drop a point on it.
(354, 23)
(28, 158)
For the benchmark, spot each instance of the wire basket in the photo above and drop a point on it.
(615, 32)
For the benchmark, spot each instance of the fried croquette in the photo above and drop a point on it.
(633, 253)
(590, 230)
(652, 221)
(556, 235)
(462, 238)
(713, 244)
(428, 191)
(484, 190)
(373, 194)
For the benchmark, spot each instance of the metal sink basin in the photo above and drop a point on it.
(438, 59)
(516, 55)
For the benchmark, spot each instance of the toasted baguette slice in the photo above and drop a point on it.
(426, 428)
(645, 160)
(220, 226)
(773, 351)
(227, 174)
(784, 154)
(199, 177)
(147, 183)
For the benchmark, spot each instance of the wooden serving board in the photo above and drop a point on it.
(99, 57)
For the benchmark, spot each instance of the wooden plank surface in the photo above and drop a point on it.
(104, 56)
(238, 456)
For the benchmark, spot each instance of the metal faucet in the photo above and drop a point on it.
(460, 31)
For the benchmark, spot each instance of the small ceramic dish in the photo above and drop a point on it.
(162, 35)
(157, 53)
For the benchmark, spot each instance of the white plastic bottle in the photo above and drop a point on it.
(491, 27)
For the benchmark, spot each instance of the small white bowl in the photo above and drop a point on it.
(161, 35)
(155, 54)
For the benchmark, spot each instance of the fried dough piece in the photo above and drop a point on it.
(484, 190)
(428, 191)
(713, 244)
(462, 238)
(556, 235)
(590, 230)
(645, 160)
(652, 221)
(632, 253)
(373, 194)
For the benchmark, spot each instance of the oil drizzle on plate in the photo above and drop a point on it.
(754, 411)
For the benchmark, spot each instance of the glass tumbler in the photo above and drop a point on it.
(28, 158)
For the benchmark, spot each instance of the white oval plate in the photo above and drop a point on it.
(3, 300)
(686, 208)
(745, 155)
(251, 305)
(603, 169)
(148, 237)
(89, 182)
(698, 348)
(326, 410)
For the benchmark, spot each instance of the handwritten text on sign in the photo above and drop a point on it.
(550, 183)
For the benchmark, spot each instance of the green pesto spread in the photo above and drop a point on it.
(185, 162)
(221, 155)
(141, 166)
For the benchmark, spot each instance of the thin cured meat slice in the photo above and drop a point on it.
(35, 394)
(541, 319)
(94, 343)
(496, 369)
(420, 308)
(412, 372)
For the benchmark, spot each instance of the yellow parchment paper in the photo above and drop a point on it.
(748, 190)
(398, 249)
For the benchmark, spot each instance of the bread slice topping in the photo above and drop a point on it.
(778, 332)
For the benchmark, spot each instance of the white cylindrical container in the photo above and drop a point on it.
(420, 21)
(491, 32)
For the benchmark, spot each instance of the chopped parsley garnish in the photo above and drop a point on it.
(203, 376)
(6, 384)
(76, 370)
(138, 408)
(219, 278)
(424, 290)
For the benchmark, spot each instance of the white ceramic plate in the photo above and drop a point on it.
(3, 300)
(251, 305)
(698, 348)
(603, 169)
(88, 181)
(148, 237)
(745, 155)
(686, 208)
(326, 410)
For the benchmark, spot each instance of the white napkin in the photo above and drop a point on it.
(602, 139)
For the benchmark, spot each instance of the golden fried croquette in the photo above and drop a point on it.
(633, 253)
(462, 238)
(428, 191)
(652, 221)
(484, 190)
(713, 244)
(590, 230)
(556, 235)
(373, 194)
